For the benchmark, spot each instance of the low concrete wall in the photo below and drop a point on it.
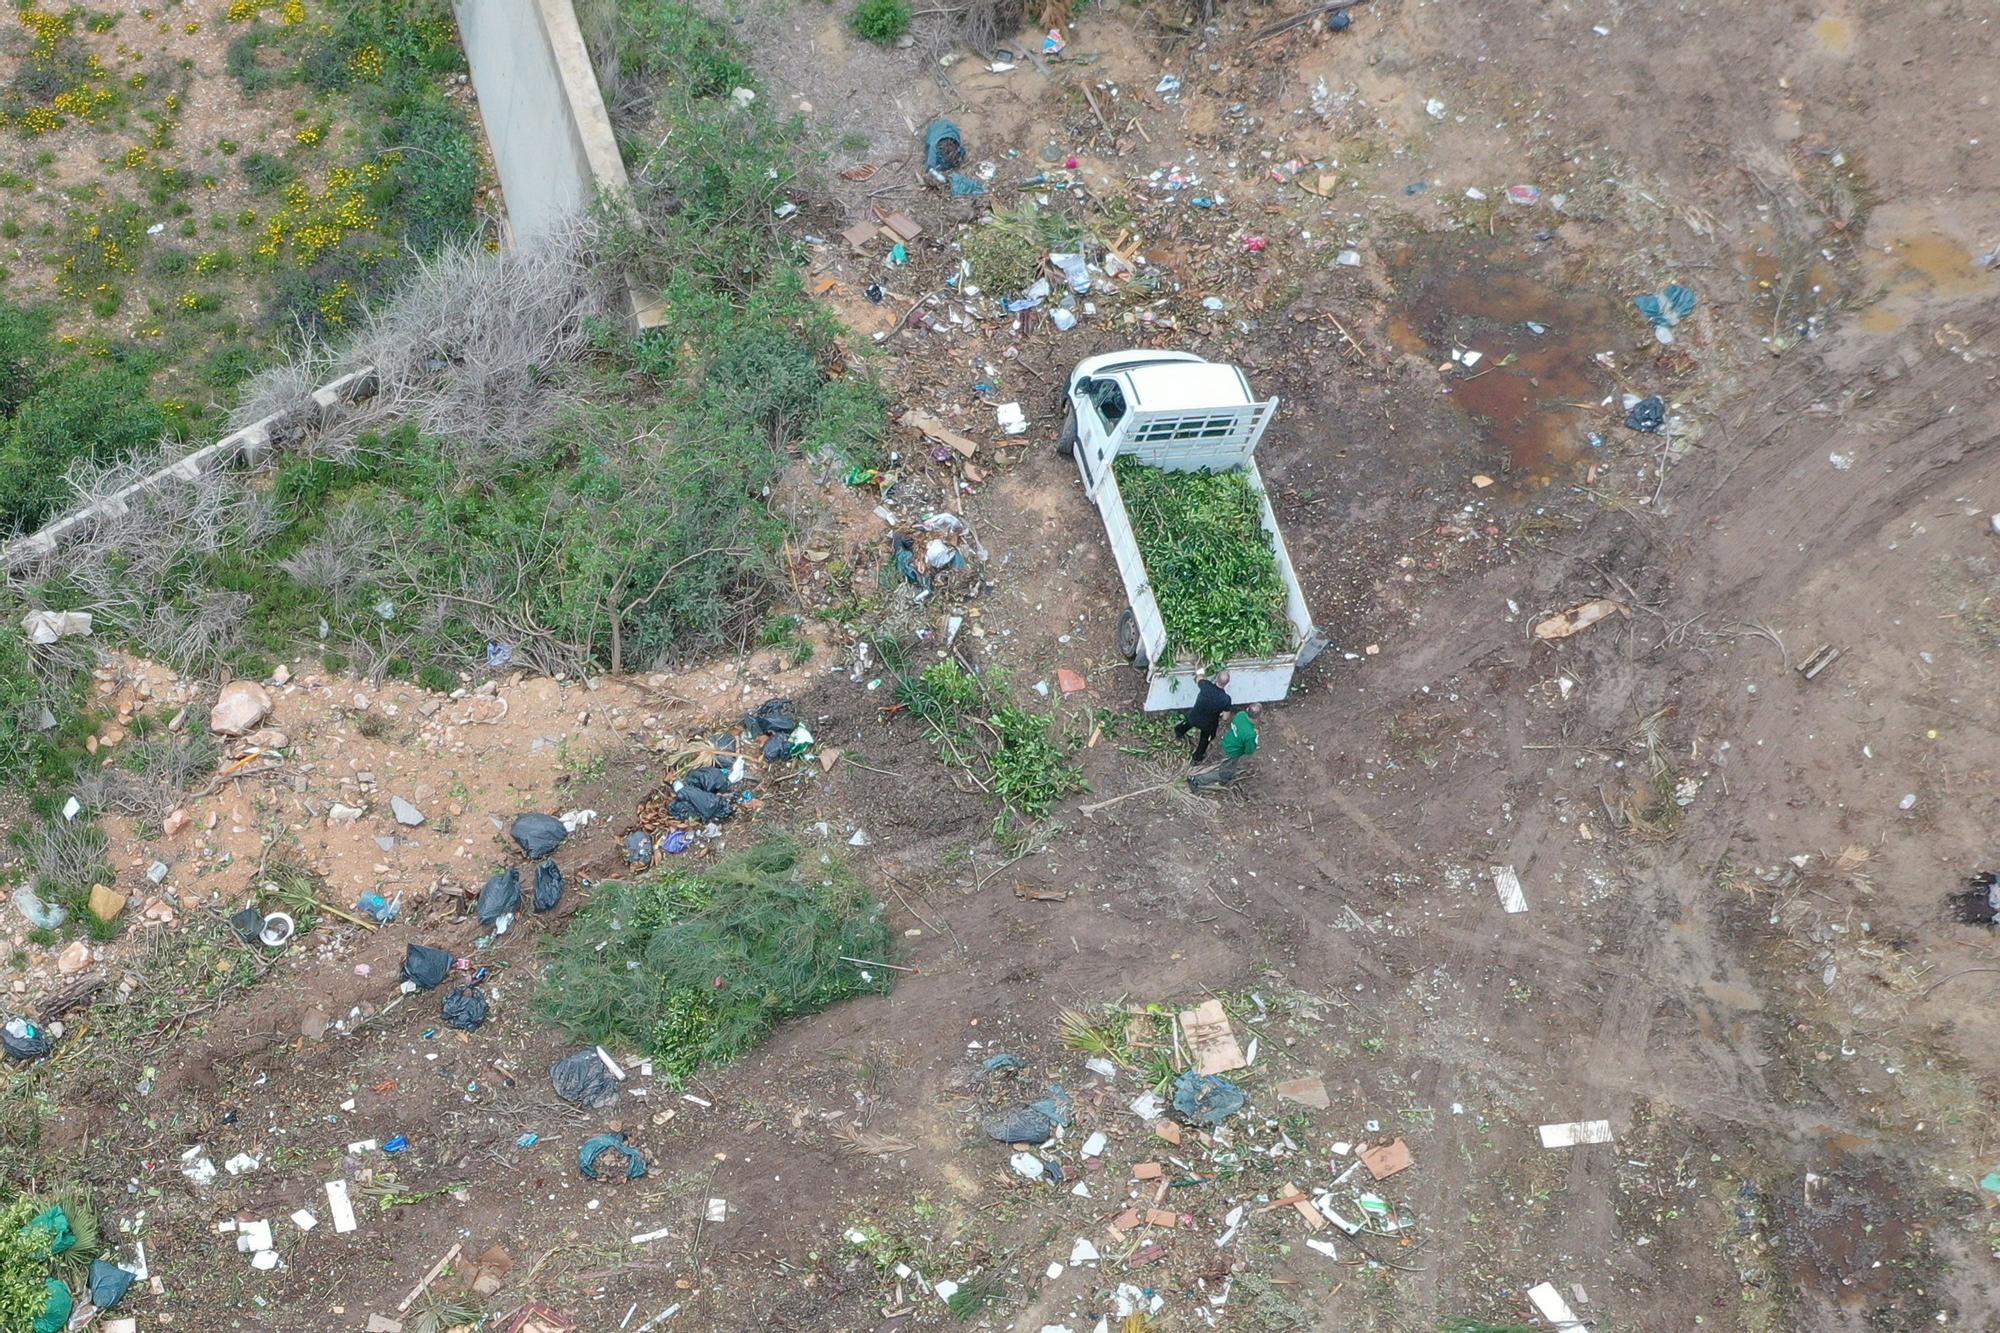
(252, 444)
(544, 114)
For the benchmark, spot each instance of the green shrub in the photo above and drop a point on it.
(693, 967)
(881, 21)
(265, 173)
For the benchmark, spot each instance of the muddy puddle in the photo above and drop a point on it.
(1793, 289)
(1911, 263)
(1533, 386)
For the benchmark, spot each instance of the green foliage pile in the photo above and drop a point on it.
(695, 966)
(1006, 253)
(58, 408)
(1030, 771)
(881, 21)
(1213, 566)
(1024, 767)
(27, 1260)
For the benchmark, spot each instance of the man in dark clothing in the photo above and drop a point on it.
(1211, 701)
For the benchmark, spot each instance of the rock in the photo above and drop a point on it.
(343, 814)
(74, 958)
(176, 823)
(282, 675)
(6, 951)
(406, 814)
(106, 902)
(239, 708)
(313, 1026)
(267, 738)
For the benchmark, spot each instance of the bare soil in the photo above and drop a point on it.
(1736, 948)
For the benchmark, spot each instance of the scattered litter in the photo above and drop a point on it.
(1527, 196)
(304, 1220)
(1348, 259)
(24, 1040)
(1385, 1160)
(45, 627)
(42, 915)
(1666, 308)
(548, 886)
(1100, 1066)
(1012, 420)
(197, 1168)
(1210, 1039)
(1434, 108)
(1548, 1303)
(1507, 882)
(1027, 1166)
(1579, 617)
(400, 1143)
(595, 1147)
(1094, 1145)
(1083, 1252)
(1576, 1132)
(648, 1237)
(240, 1163)
(1307, 1091)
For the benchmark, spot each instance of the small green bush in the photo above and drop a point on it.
(265, 173)
(881, 21)
(694, 967)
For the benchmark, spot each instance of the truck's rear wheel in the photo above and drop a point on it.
(1129, 646)
(1066, 438)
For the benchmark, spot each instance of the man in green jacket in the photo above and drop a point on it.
(1238, 744)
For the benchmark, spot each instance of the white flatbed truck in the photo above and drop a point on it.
(1175, 411)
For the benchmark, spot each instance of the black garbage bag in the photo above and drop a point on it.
(108, 1283)
(701, 806)
(465, 1008)
(581, 1077)
(538, 835)
(777, 748)
(501, 895)
(24, 1040)
(248, 924)
(639, 847)
(1647, 415)
(773, 717)
(426, 966)
(594, 1148)
(724, 744)
(548, 886)
(713, 778)
(1024, 1124)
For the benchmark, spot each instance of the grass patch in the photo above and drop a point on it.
(1006, 254)
(693, 967)
(1212, 562)
(881, 21)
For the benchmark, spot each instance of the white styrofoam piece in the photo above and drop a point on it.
(1576, 1132)
(1508, 884)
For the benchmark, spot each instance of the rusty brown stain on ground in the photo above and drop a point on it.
(1530, 395)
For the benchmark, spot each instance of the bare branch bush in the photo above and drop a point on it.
(151, 778)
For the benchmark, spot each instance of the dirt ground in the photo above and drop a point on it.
(1737, 946)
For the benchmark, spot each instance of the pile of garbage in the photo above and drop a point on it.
(715, 780)
(1184, 1168)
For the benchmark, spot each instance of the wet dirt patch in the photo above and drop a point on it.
(1911, 263)
(1532, 380)
(1846, 1233)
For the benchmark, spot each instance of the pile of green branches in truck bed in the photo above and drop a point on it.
(1213, 566)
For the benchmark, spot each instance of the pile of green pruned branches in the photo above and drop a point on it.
(1213, 568)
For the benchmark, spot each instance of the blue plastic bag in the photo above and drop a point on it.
(1205, 1099)
(1666, 308)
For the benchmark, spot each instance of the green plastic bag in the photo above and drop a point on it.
(55, 1222)
(54, 1317)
